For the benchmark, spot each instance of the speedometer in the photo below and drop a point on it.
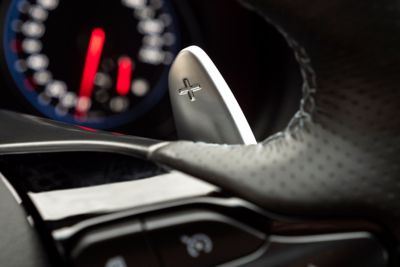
(94, 63)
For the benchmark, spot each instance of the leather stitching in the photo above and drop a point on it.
(309, 88)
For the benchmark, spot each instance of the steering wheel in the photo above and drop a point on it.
(338, 157)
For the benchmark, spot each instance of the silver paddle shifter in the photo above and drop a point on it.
(204, 107)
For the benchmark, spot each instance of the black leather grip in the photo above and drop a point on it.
(340, 156)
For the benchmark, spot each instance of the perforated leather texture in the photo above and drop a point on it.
(340, 154)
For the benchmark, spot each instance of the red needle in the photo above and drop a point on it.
(93, 56)
(125, 68)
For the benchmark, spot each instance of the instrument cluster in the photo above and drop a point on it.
(104, 64)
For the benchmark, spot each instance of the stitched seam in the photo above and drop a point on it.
(309, 87)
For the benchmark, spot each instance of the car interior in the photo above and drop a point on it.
(176, 133)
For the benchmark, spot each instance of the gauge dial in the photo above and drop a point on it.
(95, 63)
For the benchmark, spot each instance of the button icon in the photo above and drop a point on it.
(189, 90)
(116, 262)
(197, 244)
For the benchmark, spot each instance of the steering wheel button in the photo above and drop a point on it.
(117, 245)
(201, 238)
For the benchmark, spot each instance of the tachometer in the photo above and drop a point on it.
(95, 63)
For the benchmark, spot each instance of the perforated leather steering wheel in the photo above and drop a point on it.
(340, 154)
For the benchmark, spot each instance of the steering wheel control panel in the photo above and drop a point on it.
(191, 238)
(206, 237)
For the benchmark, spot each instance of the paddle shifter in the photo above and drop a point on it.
(203, 105)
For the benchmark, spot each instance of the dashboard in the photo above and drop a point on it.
(104, 64)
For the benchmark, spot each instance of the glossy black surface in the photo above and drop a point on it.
(27, 134)
(345, 250)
